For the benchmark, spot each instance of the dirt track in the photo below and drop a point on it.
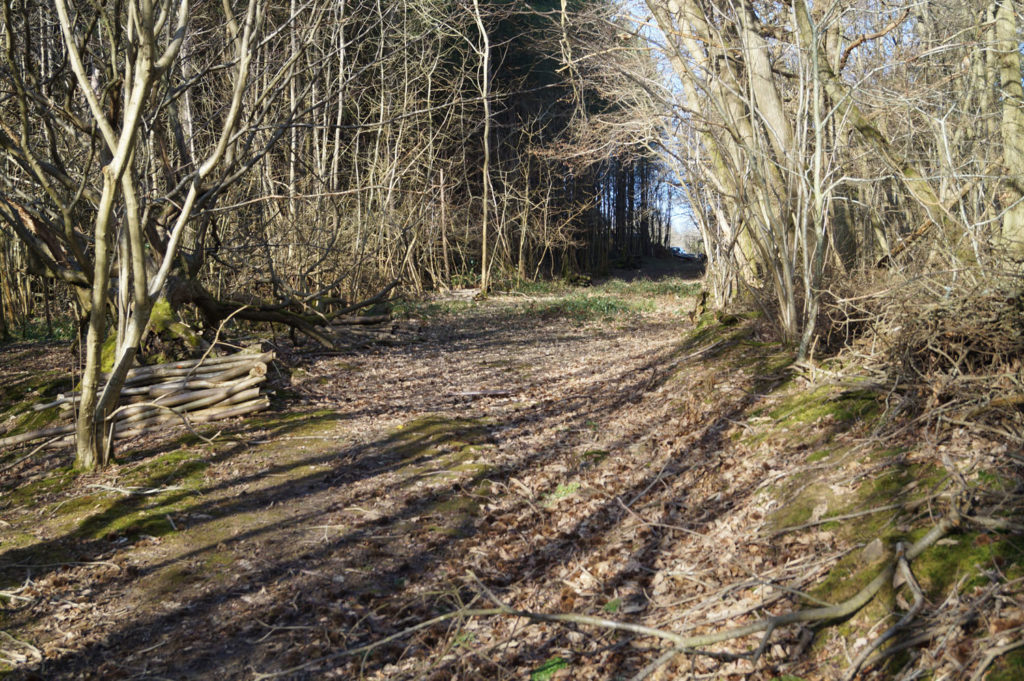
(500, 445)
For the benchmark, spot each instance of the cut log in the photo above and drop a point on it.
(155, 415)
(31, 435)
(207, 415)
(191, 399)
(154, 373)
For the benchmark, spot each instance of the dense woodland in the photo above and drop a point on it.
(174, 171)
(277, 163)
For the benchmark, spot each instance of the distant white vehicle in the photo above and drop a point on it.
(688, 257)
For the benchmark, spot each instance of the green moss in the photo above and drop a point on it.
(547, 671)
(33, 551)
(181, 472)
(996, 481)
(29, 493)
(16, 540)
(18, 399)
(799, 510)
(108, 353)
(709, 330)
(890, 484)
(457, 506)
(593, 457)
(819, 455)
(33, 420)
(819, 403)
(431, 436)
(171, 580)
(293, 423)
(849, 576)
(290, 418)
(1009, 667)
(562, 491)
(944, 564)
(164, 321)
(161, 315)
(21, 394)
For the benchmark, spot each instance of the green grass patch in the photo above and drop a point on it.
(542, 287)
(562, 491)
(651, 287)
(583, 307)
(547, 671)
(61, 329)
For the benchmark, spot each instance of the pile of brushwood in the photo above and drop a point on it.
(191, 391)
(961, 354)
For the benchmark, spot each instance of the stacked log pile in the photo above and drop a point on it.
(153, 397)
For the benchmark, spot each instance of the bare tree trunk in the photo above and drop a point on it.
(1012, 128)
(485, 93)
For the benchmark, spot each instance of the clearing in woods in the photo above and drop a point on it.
(571, 450)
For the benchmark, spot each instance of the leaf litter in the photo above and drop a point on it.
(611, 467)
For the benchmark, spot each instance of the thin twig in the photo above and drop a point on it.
(835, 518)
(35, 451)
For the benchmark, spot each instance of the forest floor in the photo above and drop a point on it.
(600, 451)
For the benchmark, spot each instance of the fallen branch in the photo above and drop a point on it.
(908, 577)
(356, 320)
(690, 645)
(378, 297)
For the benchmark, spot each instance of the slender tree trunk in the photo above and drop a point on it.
(485, 94)
(1012, 128)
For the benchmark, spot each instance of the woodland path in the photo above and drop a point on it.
(505, 444)
(574, 451)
